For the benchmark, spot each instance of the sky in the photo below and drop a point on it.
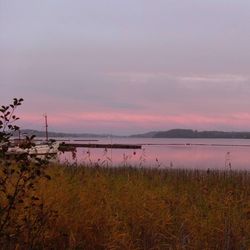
(124, 67)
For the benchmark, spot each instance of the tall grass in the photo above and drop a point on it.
(138, 208)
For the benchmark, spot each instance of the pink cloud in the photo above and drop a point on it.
(147, 121)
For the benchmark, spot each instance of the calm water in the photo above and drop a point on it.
(174, 153)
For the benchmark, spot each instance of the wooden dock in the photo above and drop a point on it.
(70, 146)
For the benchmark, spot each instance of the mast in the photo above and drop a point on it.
(19, 136)
(46, 128)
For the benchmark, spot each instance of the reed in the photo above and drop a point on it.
(142, 208)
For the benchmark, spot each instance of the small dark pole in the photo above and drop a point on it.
(46, 128)
(19, 135)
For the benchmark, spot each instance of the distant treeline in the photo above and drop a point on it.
(37, 133)
(189, 133)
(173, 133)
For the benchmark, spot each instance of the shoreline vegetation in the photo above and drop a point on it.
(140, 208)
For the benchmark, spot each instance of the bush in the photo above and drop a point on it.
(23, 214)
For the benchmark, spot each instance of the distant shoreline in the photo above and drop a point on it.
(171, 134)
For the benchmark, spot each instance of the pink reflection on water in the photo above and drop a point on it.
(201, 157)
(162, 156)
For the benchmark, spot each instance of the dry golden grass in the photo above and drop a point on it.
(129, 208)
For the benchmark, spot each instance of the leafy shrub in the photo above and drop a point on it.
(23, 214)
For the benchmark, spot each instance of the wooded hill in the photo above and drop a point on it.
(189, 133)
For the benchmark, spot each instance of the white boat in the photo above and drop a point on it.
(40, 149)
(44, 149)
(47, 148)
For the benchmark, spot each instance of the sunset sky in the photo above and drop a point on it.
(127, 66)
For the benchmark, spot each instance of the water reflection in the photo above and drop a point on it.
(158, 153)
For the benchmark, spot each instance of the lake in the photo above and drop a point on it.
(167, 153)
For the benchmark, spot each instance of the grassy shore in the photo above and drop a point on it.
(131, 208)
